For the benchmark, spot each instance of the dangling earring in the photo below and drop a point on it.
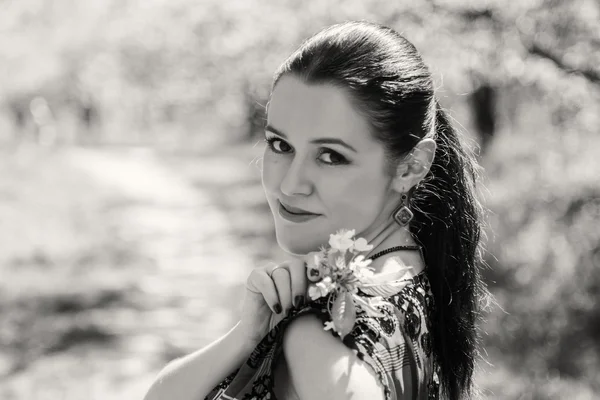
(403, 215)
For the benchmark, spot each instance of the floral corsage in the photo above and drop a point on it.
(341, 270)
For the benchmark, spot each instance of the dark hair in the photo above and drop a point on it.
(391, 86)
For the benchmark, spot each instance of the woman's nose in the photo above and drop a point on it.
(295, 181)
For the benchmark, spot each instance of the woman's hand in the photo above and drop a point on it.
(271, 291)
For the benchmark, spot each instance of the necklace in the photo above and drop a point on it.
(395, 248)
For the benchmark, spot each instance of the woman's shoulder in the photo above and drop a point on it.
(400, 342)
(414, 304)
(313, 358)
(404, 316)
(415, 299)
(396, 344)
(394, 348)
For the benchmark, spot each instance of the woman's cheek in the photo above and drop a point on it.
(354, 199)
(270, 171)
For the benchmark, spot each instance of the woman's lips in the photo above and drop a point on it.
(294, 210)
(295, 218)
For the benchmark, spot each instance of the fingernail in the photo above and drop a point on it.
(298, 301)
(277, 308)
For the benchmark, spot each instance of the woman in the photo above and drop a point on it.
(355, 140)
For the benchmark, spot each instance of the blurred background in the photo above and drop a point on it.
(131, 209)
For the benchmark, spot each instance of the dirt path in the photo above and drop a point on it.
(178, 213)
(186, 234)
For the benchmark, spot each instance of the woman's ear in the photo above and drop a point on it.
(418, 163)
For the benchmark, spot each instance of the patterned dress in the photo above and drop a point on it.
(397, 346)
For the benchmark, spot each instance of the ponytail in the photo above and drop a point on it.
(447, 222)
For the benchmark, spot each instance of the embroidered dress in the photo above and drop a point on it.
(397, 347)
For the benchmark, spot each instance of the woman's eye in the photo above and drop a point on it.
(328, 157)
(277, 145)
(334, 158)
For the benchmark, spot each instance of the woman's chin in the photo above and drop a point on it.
(297, 247)
(293, 249)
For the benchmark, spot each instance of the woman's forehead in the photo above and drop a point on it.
(312, 111)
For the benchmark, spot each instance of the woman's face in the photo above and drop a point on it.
(321, 158)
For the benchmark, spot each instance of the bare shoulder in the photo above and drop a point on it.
(322, 367)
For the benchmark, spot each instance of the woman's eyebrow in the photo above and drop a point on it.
(316, 141)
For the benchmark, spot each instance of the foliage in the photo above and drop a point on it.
(172, 73)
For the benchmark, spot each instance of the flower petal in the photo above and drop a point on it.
(329, 325)
(333, 241)
(361, 244)
(348, 234)
(314, 292)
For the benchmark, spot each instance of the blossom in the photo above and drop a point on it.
(316, 266)
(340, 263)
(331, 256)
(361, 244)
(342, 240)
(364, 273)
(329, 325)
(321, 288)
(314, 292)
(359, 263)
(327, 284)
(339, 271)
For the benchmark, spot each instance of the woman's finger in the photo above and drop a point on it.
(299, 287)
(282, 281)
(260, 282)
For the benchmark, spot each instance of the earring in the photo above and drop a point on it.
(403, 215)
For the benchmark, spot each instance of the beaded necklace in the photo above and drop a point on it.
(395, 248)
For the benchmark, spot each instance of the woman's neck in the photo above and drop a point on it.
(391, 235)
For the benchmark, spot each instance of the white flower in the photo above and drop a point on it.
(314, 292)
(364, 273)
(321, 288)
(361, 268)
(329, 325)
(331, 256)
(361, 244)
(343, 272)
(340, 263)
(342, 240)
(359, 263)
(326, 284)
